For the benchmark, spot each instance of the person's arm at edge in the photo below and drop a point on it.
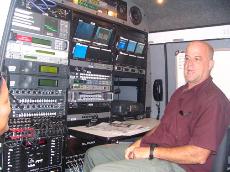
(4, 107)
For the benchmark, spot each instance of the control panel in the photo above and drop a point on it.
(37, 63)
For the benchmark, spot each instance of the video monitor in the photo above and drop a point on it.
(79, 51)
(122, 44)
(103, 35)
(99, 55)
(122, 60)
(131, 61)
(140, 47)
(84, 30)
(140, 63)
(106, 57)
(131, 46)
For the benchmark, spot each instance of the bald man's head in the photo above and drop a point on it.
(198, 62)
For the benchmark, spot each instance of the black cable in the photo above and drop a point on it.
(158, 110)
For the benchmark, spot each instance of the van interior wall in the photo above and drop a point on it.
(180, 14)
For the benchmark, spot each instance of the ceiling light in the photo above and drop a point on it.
(159, 1)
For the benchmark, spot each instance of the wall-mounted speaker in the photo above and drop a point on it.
(136, 17)
(132, 15)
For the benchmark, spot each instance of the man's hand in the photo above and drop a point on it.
(4, 107)
(141, 153)
(129, 151)
(137, 152)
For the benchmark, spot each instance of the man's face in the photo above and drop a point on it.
(197, 64)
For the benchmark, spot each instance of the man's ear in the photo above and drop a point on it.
(210, 65)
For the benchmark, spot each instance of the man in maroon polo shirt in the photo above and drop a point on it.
(190, 131)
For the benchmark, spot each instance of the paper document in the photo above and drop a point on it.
(113, 129)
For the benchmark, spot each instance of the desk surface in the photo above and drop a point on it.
(119, 129)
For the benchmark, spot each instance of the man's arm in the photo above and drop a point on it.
(4, 107)
(188, 154)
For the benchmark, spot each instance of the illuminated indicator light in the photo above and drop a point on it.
(45, 52)
(30, 57)
(111, 13)
(23, 38)
(41, 41)
(50, 28)
(48, 69)
(48, 82)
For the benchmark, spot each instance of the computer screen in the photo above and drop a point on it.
(122, 44)
(131, 46)
(99, 55)
(84, 30)
(141, 63)
(122, 60)
(79, 51)
(103, 35)
(140, 47)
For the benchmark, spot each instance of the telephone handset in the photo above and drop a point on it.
(158, 90)
(158, 94)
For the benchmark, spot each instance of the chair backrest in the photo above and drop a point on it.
(220, 161)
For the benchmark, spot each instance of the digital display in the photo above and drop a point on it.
(131, 46)
(45, 52)
(79, 51)
(122, 60)
(41, 41)
(51, 25)
(130, 61)
(139, 49)
(102, 35)
(48, 82)
(122, 43)
(48, 69)
(99, 55)
(140, 63)
(84, 30)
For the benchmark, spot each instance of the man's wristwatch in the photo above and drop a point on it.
(152, 147)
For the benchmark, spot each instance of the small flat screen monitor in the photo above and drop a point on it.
(103, 35)
(99, 56)
(140, 63)
(131, 46)
(122, 44)
(84, 30)
(139, 49)
(122, 60)
(79, 51)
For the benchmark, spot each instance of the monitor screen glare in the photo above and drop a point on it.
(79, 51)
(121, 45)
(102, 35)
(84, 30)
(139, 48)
(131, 46)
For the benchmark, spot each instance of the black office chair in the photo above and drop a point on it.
(221, 159)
